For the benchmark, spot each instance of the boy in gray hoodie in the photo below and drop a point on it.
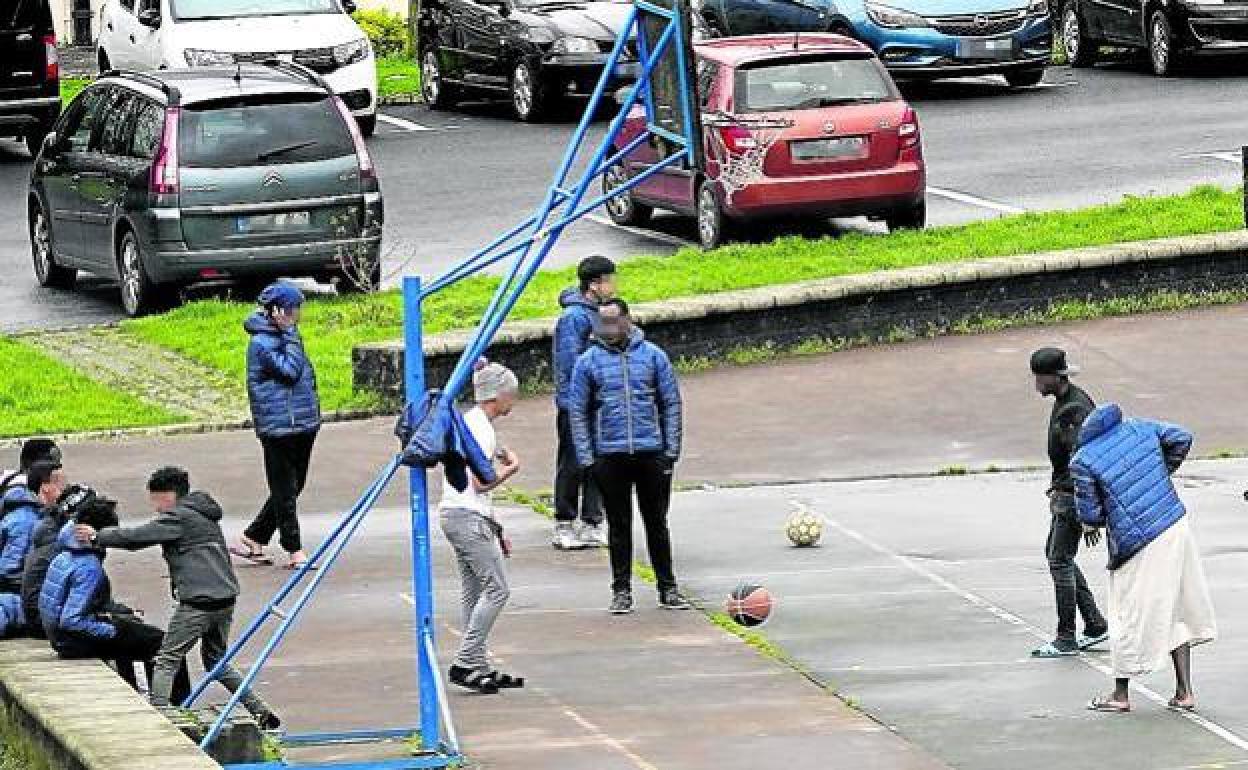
(187, 527)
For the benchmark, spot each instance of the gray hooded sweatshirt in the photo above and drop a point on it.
(194, 547)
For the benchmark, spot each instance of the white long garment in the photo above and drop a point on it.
(1158, 601)
(470, 499)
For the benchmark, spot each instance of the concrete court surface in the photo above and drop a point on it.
(925, 597)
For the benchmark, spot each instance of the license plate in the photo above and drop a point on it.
(628, 69)
(829, 149)
(986, 48)
(273, 223)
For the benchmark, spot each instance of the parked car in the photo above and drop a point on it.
(919, 39)
(30, 76)
(534, 51)
(239, 173)
(172, 34)
(1169, 32)
(853, 149)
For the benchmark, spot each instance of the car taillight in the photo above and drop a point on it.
(361, 150)
(909, 129)
(737, 139)
(164, 178)
(51, 58)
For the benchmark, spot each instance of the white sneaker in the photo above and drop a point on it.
(594, 536)
(565, 538)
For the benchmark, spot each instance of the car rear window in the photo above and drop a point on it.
(262, 132)
(808, 84)
(26, 14)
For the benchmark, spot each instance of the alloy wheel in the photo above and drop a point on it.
(431, 78)
(708, 217)
(522, 90)
(621, 206)
(41, 238)
(131, 276)
(1070, 34)
(1159, 44)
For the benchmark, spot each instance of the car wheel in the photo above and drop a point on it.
(103, 62)
(623, 208)
(367, 124)
(47, 272)
(139, 296)
(1161, 53)
(529, 95)
(912, 218)
(1024, 78)
(712, 224)
(437, 93)
(1080, 49)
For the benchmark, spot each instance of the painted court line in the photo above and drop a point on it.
(1005, 615)
(972, 200)
(406, 125)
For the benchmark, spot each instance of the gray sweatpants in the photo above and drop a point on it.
(211, 628)
(484, 580)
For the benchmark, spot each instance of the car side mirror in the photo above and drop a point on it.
(150, 18)
(349, 6)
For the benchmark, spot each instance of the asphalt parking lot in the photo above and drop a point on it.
(454, 181)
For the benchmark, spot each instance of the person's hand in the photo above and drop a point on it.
(283, 319)
(1091, 536)
(84, 533)
(508, 464)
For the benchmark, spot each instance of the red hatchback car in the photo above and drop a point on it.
(847, 143)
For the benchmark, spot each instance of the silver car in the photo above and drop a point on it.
(238, 174)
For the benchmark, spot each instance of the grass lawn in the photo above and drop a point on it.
(41, 395)
(210, 331)
(71, 86)
(397, 76)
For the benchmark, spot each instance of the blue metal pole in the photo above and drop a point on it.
(422, 558)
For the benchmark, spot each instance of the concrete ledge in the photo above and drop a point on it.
(85, 718)
(867, 307)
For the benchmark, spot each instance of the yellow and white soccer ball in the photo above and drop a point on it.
(804, 528)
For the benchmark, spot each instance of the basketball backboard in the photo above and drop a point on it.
(671, 101)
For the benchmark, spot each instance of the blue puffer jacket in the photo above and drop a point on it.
(281, 382)
(21, 513)
(624, 401)
(74, 592)
(573, 334)
(12, 619)
(1122, 478)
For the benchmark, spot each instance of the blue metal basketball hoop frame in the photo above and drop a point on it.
(562, 205)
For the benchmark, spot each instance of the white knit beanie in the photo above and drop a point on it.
(490, 380)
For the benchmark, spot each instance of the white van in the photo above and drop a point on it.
(319, 34)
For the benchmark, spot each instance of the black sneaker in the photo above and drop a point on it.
(670, 599)
(268, 722)
(621, 603)
(471, 679)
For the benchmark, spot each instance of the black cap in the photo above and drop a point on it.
(1052, 361)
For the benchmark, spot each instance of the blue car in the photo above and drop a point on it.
(918, 39)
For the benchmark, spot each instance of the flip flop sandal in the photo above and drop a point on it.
(1052, 651)
(1107, 706)
(1088, 642)
(507, 681)
(251, 557)
(1181, 708)
(478, 681)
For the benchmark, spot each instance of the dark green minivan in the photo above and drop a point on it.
(180, 177)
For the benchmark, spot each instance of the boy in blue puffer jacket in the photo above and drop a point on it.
(625, 411)
(23, 507)
(281, 385)
(79, 615)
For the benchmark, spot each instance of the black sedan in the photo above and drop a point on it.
(1169, 31)
(535, 51)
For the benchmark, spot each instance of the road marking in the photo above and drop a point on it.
(1228, 157)
(1005, 615)
(670, 240)
(406, 125)
(972, 200)
(597, 732)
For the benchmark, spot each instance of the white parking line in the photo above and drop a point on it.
(406, 125)
(670, 240)
(1228, 157)
(972, 200)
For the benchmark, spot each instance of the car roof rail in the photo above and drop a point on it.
(170, 91)
(295, 68)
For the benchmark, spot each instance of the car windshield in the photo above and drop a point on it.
(262, 131)
(198, 10)
(27, 14)
(806, 84)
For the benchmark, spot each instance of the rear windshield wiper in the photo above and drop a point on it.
(285, 149)
(847, 100)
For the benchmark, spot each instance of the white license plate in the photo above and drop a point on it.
(986, 48)
(627, 69)
(829, 149)
(273, 223)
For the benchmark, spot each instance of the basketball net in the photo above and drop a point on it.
(738, 148)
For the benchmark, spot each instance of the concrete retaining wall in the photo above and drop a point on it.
(85, 718)
(870, 306)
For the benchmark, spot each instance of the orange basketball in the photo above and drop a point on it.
(749, 604)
